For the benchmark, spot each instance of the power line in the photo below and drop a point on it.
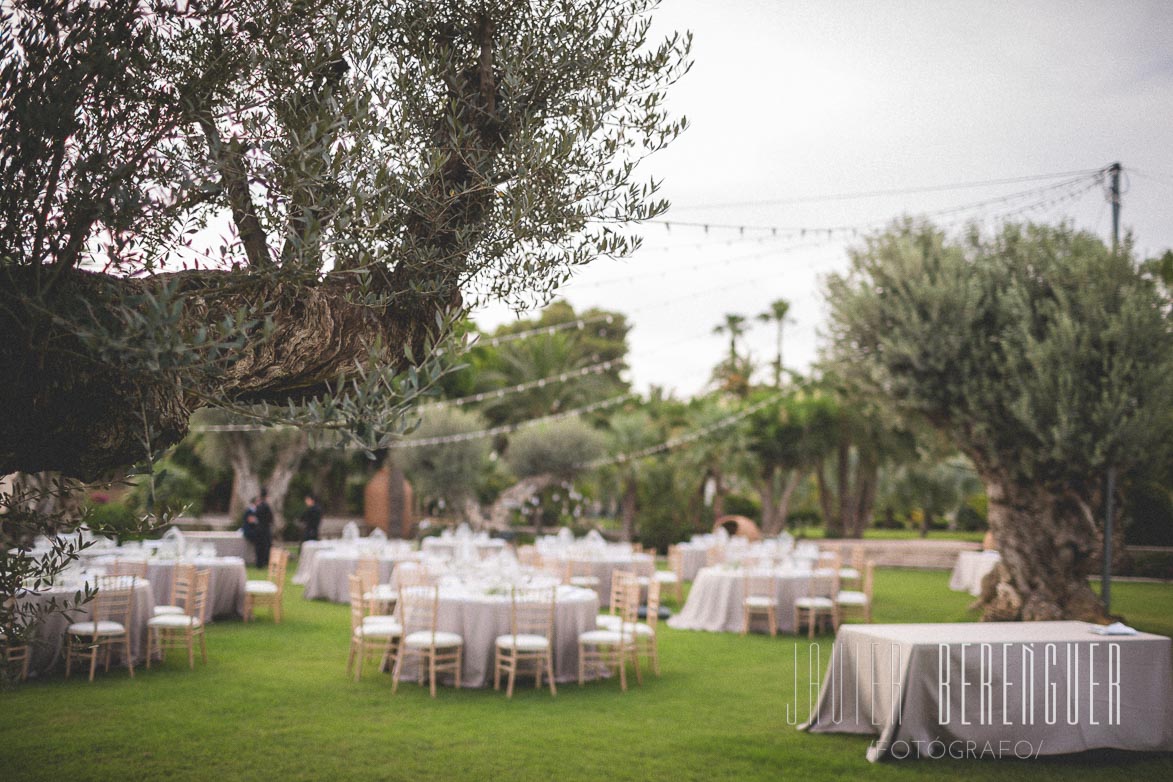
(684, 439)
(893, 191)
(855, 228)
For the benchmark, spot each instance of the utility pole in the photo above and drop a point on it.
(1110, 482)
(1114, 197)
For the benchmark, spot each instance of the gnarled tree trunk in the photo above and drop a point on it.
(1047, 544)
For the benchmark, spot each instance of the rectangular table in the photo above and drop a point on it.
(997, 689)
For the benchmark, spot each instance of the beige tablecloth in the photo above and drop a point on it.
(49, 640)
(695, 557)
(329, 574)
(718, 593)
(480, 618)
(447, 547)
(308, 554)
(227, 544)
(886, 680)
(971, 568)
(604, 566)
(225, 584)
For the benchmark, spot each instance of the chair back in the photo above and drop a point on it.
(527, 556)
(653, 612)
(857, 560)
(278, 560)
(368, 572)
(869, 574)
(629, 602)
(182, 585)
(128, 567)
(761, 584)
(419, 607)
(714, 555)
(577, 567)
(531, 611)
(619, 580)
(676, 561)
(197, 604)
(114, 600)
(357, 608)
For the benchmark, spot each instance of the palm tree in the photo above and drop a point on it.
(777, 314)
(735, 327)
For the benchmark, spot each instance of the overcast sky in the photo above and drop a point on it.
(790, 100)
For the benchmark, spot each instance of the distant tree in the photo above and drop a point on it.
(544, 455)
(777, 314)
(631, 432)
(788, 439)
(447, 471)
(1044, 356)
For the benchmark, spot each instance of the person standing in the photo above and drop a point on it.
(311, 520)
(264, 540)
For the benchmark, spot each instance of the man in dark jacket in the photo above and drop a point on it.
(311, 520)
(264, 532)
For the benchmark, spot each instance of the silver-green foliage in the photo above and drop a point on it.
(1043, 354)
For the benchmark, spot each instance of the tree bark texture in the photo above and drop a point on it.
(516, 496)
(83, 414)
(628, 507)
(1047, 542)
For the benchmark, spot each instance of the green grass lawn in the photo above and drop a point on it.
(274, 703)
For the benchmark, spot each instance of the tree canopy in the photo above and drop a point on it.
(1045, 356)
(287, 202)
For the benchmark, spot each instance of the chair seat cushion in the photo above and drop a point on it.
(523, 642)
(850, 598)
(848, 573)
(608, 621)
(760, 601)
(604, 637)
(380, 619)
(422, 639)
(665, 577)
(180, 621)
(260, 588)
(104, 628)
(379, 630)
(165, 610)
(584, 581)
(383, 593)
(814, 602)
(644, 630)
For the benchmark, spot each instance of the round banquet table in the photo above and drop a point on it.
(971, 568)
(480, 617)
(604, 565)
(447, 547)
(308, 553)
(225, 585)
(694, 557)
(329, 574)
(227, 544)
(48, 644)
(715, 601)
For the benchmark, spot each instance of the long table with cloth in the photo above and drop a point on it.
(48, 642)
(227, 577)
(997, 689)
(481, 614)
(970, 569)
(718, 593)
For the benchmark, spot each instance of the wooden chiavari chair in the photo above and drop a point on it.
(108, 626)
(761, 599)
(369, 634)
(608, 649)
(419, 607)
(530, 638)
(850, 602)
(258, 594)
(174, 631)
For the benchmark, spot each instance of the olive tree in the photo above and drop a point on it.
(279, 207)
(1045, 356)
